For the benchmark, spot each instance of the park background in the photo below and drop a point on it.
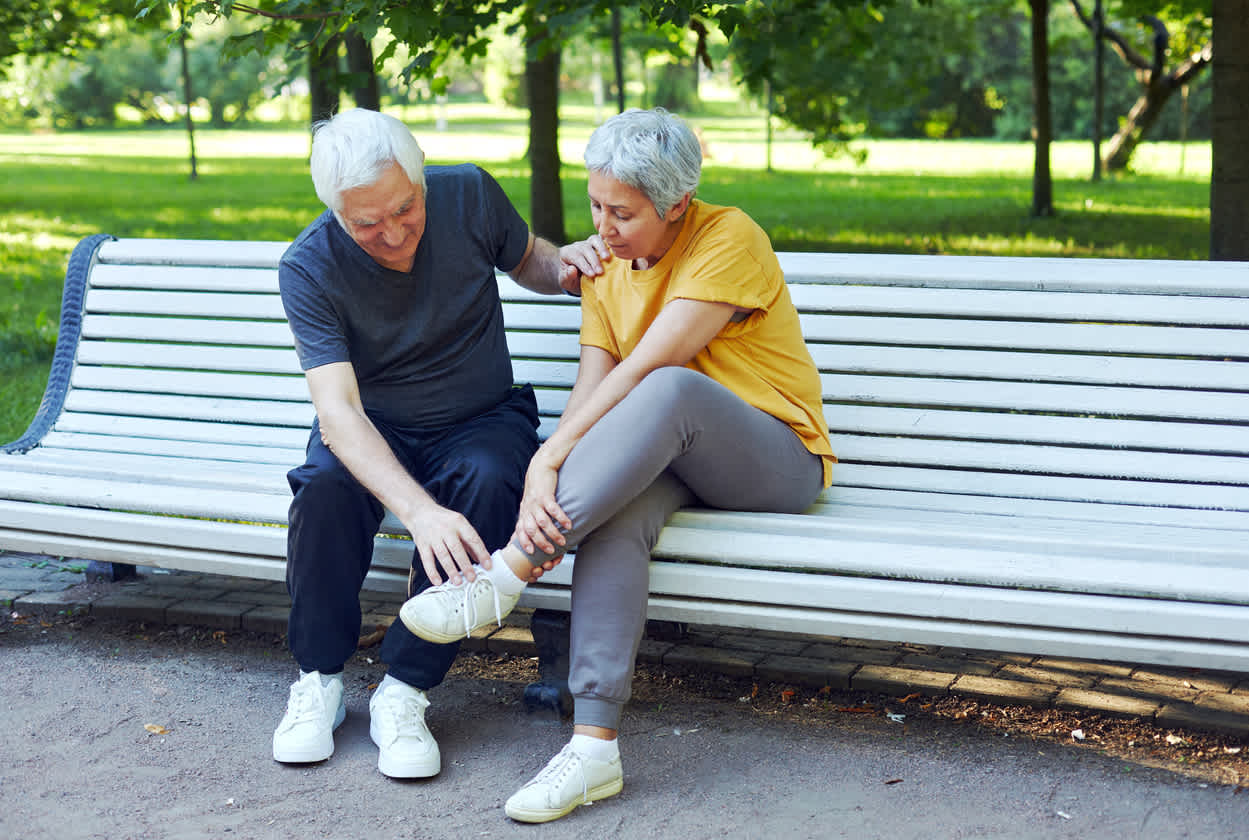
(906, 127)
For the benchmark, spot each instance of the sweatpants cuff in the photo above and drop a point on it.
(595, 711)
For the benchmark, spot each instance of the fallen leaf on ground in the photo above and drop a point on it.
(915, 695)
(1078, 734)
(155, 729)
(893, 781)
(374, 638)
(857, 710)
(220, 635)
(1175, 739)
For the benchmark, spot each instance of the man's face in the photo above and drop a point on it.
(386, 218)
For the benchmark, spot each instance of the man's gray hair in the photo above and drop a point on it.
(353, 149)
(652, 151)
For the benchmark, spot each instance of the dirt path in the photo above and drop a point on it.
(113, 731)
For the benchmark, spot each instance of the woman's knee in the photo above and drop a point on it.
(669, 385)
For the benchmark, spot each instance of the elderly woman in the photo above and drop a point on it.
(695, 388)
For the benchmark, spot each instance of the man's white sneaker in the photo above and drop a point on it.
(450, 612)
(407, 750)
(313, 712)
(568, 780)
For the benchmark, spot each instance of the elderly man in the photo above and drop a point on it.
(392, 299)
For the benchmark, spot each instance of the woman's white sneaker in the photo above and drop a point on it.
(449, 612)
(407, 749)
(313, 711)
(568, 780)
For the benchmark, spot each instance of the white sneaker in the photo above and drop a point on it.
(313, 712)
(397, 726)
(569, 780)
(449, 612)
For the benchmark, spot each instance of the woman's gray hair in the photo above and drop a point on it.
(652, 151)
(353, 149)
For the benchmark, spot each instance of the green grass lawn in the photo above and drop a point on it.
(952, 197)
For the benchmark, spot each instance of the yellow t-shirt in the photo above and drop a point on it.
(720, 256)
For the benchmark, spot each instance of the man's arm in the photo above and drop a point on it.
(548, 270)
(444, 539)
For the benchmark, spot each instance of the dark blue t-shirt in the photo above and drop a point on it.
(427, 346)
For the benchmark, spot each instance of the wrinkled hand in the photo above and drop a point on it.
(582, 259)
(446, 540)
(541, 521)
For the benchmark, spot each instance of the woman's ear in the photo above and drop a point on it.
(678, 209)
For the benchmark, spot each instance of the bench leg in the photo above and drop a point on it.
(101, 572)
(550, 692)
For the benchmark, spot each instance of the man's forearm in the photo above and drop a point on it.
(541, 270)
(369, 458)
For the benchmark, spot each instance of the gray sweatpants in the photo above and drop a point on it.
(679, 438)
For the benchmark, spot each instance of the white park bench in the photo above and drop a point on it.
(1037, 455)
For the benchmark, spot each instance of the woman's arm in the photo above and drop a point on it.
(680, 331)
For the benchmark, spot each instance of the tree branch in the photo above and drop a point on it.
(1117, 41)
(252, 10)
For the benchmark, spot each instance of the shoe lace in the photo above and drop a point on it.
(403, 714)
(558, 769)
(306, 702)
(464, 593)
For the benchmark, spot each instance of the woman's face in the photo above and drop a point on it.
(628, 223)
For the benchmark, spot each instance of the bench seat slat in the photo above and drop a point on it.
(1057, 488)
(892, 503)
(90, 442)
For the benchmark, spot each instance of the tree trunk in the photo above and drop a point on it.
(617, 58)
(186, 95)
(1229, 182)
(1133, 130)
(323, 80)
(546, 202)
(364, 89)
(1042, 182)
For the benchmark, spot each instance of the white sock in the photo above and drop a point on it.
(503, 576)
(388, 681)
(595, 748)
(325, 678)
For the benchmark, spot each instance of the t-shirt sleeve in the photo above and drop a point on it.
(730, 261)
(318, 331)
(511, 233)
(594, 330)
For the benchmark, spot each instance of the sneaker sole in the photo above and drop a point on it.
(429, 765)
(542, 815)
(429, 634)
